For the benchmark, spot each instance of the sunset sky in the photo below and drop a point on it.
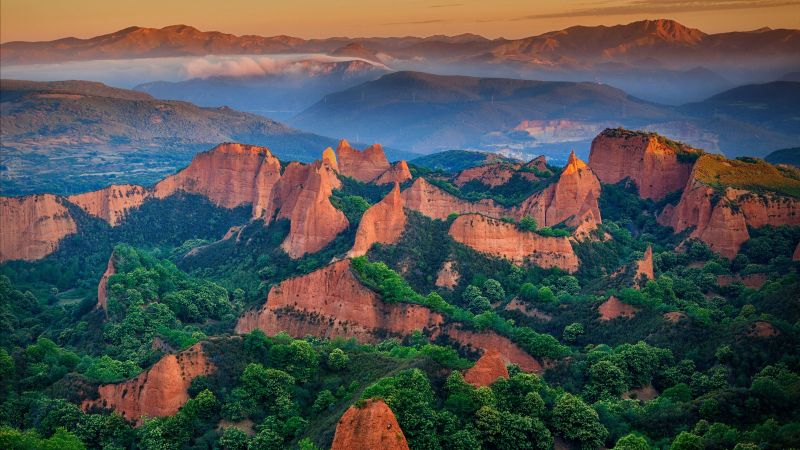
(46, 20)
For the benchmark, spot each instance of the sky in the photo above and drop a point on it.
(34, 20)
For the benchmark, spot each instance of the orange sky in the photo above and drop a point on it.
(51, 19)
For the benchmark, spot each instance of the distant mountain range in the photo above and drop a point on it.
(658, 60)
(90, 134)
(427, 113)
(281, 93)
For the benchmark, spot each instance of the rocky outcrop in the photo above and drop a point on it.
(571, 200)
(157, 392)
(329, 158)
(112, 203)
(448, 275)
(497, 173)
(367, 427)
(365, 165)
(32, 227)
(722, 221)
(796, 255)
(516, 305)
(332, 302)
(398, 173)
(229, 175)
(303, 197)
(487, 369)
(102, 286)
(614, 308)
(383, 223)
(505, 240)
(647, 159)
(644, 266)
(435, 203)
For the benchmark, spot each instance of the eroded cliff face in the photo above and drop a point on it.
(722, 222)
(644, 266)
(572, 199)
(487, 369)
(496, 174)
(505, 240)
(448, 275)
(102, 286)
(332, 302)
(32, 227)
(157, 392)
(796, 255)
(647, 160)
(435, 203)
(365, 165)
(398, 173)
(229, 175)
(112, 203)
(315, 222)
(613, 308)
(383, 222)
(369, 427)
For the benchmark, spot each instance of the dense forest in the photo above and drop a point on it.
(708, 359)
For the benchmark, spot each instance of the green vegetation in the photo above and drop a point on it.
(751, 174)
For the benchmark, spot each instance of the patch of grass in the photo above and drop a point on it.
(752, 174)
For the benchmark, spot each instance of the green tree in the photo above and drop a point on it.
(527, 223)
(572, 331)
(687, 441)
(632, 442)
(338, 359)
(606, 380)
(493, 291)
(545, 295)
(577, 421)
(233, 439)
(324, 401)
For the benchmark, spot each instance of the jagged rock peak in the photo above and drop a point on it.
(369, 426)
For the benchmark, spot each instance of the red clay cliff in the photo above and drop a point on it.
(369, 426)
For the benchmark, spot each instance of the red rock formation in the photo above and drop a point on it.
(329, 158)
(448, 276)
(644, 266)
(723, 226)
(572, 199)
(102, 286)
(516, 305)
(496, 174)
(613, 308)
(159, 391)
(303, 196)
(229, 175)
(753, 280)
(796, 255)
(365, 165)
(763, 329)
(438, 204)
(674, 316)
(487, 369)
(644, 158)
(31, 227)
(383, 222)
(398, 173)
(331, 302)
(369, 427)
(112, 203)
(644, 393)
(505, 240)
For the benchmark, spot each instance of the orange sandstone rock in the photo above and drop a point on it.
(112, 203)
(796, 255)
(645, 159)
(229, 175)
(613, 308)
(398, 173)
(383, 222)
(496, 174)
(304, 198)
(571, 199)
(505, 240)
(159, 391)
(331, 302)
(644, 267)
(448, 276)
(31, 227)
(487, 369)
(369, 427)
(102, 286)
(365, 165)
(435, 203)
(329, 158)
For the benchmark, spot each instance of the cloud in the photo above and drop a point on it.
(416, 22)
(661, 7)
